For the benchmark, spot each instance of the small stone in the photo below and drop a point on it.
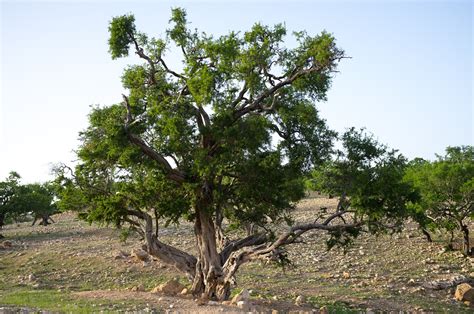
(346, 275)
(244, 305)
(139, 288)
(7, 244)
(300, 300)
(184, 291)
(323, 310)
(31, 277)
(227, 302)
(242, 296)
(140, 255)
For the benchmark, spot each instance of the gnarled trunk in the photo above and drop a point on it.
(209, 281)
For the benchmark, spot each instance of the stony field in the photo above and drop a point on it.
(71, 266)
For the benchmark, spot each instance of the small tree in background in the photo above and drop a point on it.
(227, 139)
(367, 178)
(8, 189)
(446, 188)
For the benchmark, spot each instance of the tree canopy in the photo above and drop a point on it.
(446, 190)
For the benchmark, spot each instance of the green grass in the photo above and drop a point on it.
(60, 301)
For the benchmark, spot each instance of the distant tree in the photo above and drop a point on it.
(228, 138)
(446, 188)
(8, 189)
(367, 178)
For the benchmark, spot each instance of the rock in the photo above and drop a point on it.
(121, 255)
(445, 284)
(31, 277)
(184, 291)
(244, 305)
(171, 287)
(323, 310)
(242, 296)
(213, 303)
(464, 292)
(139, 288)
(346, 275)
(140, 255)
(7, 244)
(300, 300)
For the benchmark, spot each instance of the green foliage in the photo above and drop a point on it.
(368, 179)
(121, 30)
(445, 188)
(17, 200)
(8, 190)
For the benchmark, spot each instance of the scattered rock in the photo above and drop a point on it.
(464, 292)
(300, 300)
(447, 283)
(31, 277)
(346, 275)
(227, 302)
(184, 291)
(171, 287)
(242, 296)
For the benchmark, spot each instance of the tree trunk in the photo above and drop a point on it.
(2, 220)
(209, 281)
(427, 235)
(465, 245)
(2, 223)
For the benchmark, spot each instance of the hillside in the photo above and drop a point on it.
(71, 266)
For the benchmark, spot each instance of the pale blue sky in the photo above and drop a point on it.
(409, 81)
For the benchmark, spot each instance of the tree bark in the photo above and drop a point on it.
(427, 235)
(465, 245)
(209, 280)
(2, 223)
(2, 220)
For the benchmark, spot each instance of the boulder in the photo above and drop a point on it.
(171, 287)
(244, 295)
(464, 292)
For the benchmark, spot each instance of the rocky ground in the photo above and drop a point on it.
(71, 266)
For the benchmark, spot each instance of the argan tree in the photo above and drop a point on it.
(8, 189)
(368, 180)
(227, 138)
(446, 188)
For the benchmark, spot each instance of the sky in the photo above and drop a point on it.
(409, 81)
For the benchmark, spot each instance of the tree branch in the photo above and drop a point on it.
(171, 173)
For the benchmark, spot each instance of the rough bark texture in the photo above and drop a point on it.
(208, 282)
(465, 245)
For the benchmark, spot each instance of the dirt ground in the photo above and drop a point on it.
(71, 266)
